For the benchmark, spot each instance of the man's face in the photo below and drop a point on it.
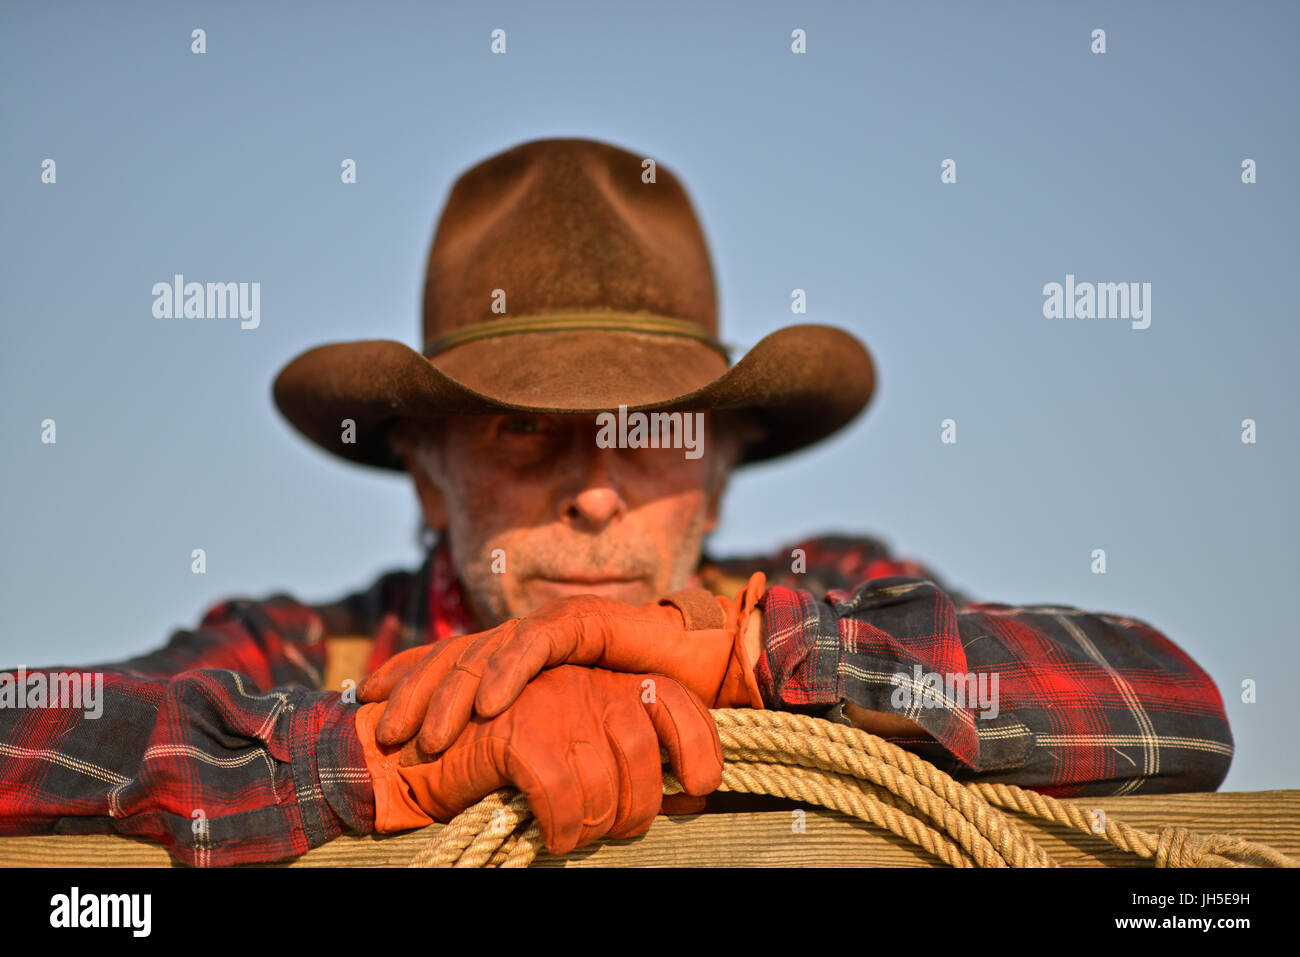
(536, 510)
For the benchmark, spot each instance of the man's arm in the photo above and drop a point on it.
(184, 747)
(1054, 698)
(881, 723)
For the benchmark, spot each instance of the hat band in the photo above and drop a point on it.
(564, 322)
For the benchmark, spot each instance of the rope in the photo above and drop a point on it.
(848, 770)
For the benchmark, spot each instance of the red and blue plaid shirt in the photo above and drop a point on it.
(224, 747)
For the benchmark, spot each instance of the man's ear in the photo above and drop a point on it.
(431, 500)
(713, 504)
(711, 516)
(731, 431)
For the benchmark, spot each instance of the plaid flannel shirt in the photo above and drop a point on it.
(224, 747)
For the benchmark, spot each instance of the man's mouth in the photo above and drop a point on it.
(616, 587)
(589, 579)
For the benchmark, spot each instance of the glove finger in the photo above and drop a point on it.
(596, 768)
(687, 733)
(451, 701)
(565, 790)
(538, 642)
(409, 698)
(682, 804)
(635, 745)
(459, 778)
(377, 686)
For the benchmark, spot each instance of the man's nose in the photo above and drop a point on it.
(597, 500)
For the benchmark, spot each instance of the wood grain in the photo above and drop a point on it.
(753, 839)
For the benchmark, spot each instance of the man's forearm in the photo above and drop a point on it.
(876, 722)
(1041, 696)
(884, 724)
(205, 763)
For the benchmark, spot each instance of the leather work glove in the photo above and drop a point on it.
(691, 635)
(582, 744)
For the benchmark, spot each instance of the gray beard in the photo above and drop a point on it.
(487, 598)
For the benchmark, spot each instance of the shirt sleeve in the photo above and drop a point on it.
(220, 745)
(1066, 702)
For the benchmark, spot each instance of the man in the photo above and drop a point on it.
(564, 628)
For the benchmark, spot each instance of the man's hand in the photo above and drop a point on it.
(703, 641)
(582, 744)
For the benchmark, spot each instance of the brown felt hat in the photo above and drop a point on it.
(570, 276)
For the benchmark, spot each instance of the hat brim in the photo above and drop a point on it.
(799, 384)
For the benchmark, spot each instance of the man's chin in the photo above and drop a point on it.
(634, 591)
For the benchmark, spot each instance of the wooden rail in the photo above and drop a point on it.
(763, 838)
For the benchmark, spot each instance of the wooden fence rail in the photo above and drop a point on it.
(754, 838)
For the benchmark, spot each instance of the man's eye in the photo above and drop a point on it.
(521, 425)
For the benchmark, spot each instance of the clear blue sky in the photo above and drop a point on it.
(819, 172)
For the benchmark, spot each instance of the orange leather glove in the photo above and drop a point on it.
(582, 744)
(692, 636)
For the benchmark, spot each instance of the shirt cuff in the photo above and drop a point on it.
(815, 659)
(334, 791)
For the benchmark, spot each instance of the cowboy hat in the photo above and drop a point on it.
(571, 276)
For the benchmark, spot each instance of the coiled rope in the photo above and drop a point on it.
(848, 770)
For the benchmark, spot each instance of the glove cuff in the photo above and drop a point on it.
(699, 608)
(729, 619)
(728, 681)
(740, 687)
(395, 807)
